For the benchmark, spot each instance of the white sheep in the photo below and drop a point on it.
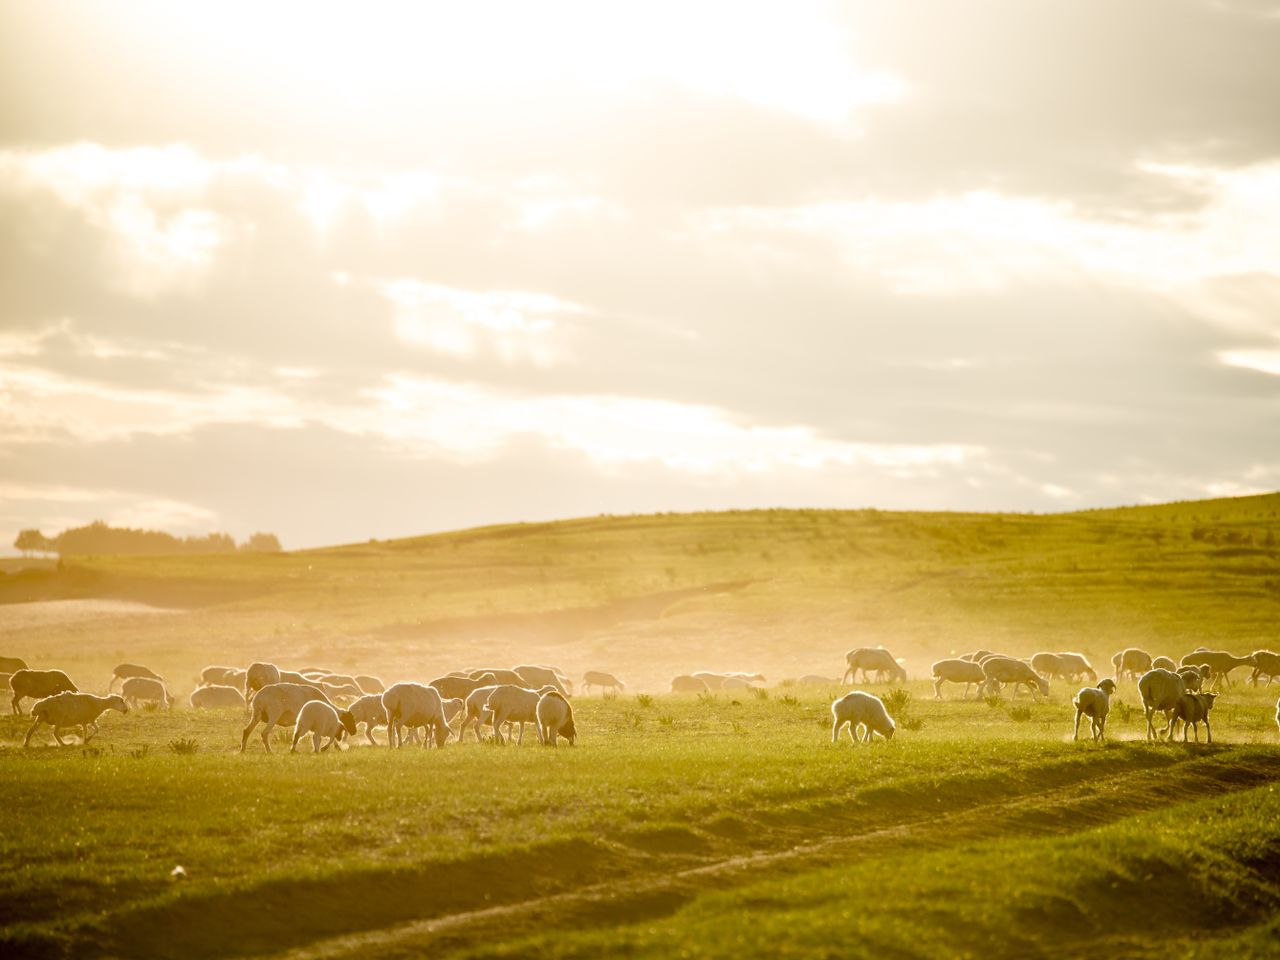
(70, 709)
(1164, 663)
(138, 689)
(512, 704)
(370, 684)
(1094, 703)
(555, 718)
(38, 684)
(1193, 708)
(999, 669)
(1161, 690)
(1132, 662)
(216, 675)
(598, 678)
(1265, 664)
(860, 709)
(956, 671)
(1076, 665)
(1193, 678)
(1220, 661)
(211, 696)
(535, 676)
(278, 704)
(415, 705)
(260, 675)
(869, 659)
(369, 711)
(474, 709)
(322, 720)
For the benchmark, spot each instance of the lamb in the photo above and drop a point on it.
(73, 709)
(370, 684)
(260, 675)
(1265, 664)
(598, 678)
(858, 708)
(1094, 703)
(415, 705)
(1192, 708)
(688, 684)
(137, 689)
(534, 676)
(322, 720)
(999, 670)
(1164, 663)
(512, 704)
(868, 659)
(369, 711)
(555, 718)
(38, 684)
(214, 695)
(278, 704)
(957, 671)
(1161, 690)
(12, 664)
(127, 670)
(1220, 661)
(451, 686)
(1131, 662)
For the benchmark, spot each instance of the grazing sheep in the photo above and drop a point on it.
(1050, 665)
(1164, 663)
(215, 695)
(555, 718)
(598, 678)
(957, 671)
(714, 681)
(1192, 708)
(1131, 663)
(451, 686)
(415, 705)
(860, 709)
(500, 675)
(1220, 661)
(38, 684)
(1000, 670)
(688, 684)
(12, 664)
(532, 675)
(369, 711)
(1193, 678)
(1265, 664)
(127, 670)
(277, 704)
(138, 689)
(260, 675)
(1077, 665)
(868, 659)
(220, 675)
(1161, 690)
(512, 704)
(71, 709)
(474, 709)
(322, 720)
(370, 684)
(1094, 703)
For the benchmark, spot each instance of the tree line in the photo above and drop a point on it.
(98, 538)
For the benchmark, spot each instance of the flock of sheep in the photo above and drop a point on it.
(331, 706)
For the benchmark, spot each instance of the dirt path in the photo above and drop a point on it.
(1078, 805)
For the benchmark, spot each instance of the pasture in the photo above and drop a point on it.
(718, 825)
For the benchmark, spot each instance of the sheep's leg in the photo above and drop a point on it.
(16, 704)
(298, 734)
(27, 742)
(368, 733)
(1208, 734)
(266, 733)
(85, 736)
(846, 676)
(1102, 727)
(1075, 735)
(244, 737)
(1151, 730)
(520, 741)
(937, 689)
(315, 742)
(835, 730)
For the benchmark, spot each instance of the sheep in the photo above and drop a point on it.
(278, 704)
(136, 689)
(414, 705)
(867, 659)
(512, 704)
(1161, 690)
(956, 671)
(1221, 661)
(688, 684)
(555, 718)
(450, 687)
(223, 677)
(999, 670)
(214, 695)
(598, 678)
(1191, 709)
(1131, 662)
(341, 691)
(1164, 663)
(1094, 703)
(474, 709)
(73, 709)
(12, 664)
(500, 675)
(369, 711)
(1050, 665)
(38, 684)
(1193, 678)
(534, 676)
(714, 681)
(1265, 664)
(127, 670)
(858, 708)
(1077, 665)
(322, 720)
(293, 676)
(370, 684)
(260, 675)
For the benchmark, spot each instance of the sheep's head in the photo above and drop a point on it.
(888, 733)
(348, 721)
(442, 734)
(1043, 684)
(1206, 701)
(116, 702)
(569, 731)
(1108, 686)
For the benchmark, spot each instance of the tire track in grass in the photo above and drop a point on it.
(1078, 805)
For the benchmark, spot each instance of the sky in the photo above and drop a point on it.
(342, 271)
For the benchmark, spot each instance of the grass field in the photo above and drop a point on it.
(713, 826)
